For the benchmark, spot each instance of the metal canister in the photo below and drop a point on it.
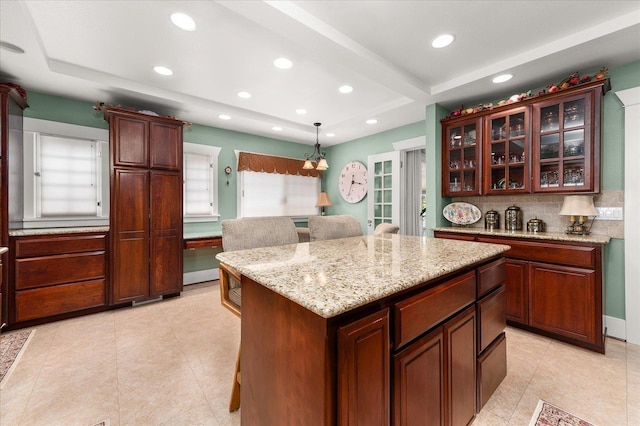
(535, 225)
(492, 220)
(513, 219)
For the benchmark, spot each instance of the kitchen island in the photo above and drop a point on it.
(370, 330)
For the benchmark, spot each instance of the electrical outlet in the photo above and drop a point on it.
(609, 213)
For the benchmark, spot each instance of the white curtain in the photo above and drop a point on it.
(412, 221)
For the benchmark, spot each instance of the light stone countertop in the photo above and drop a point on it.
(3, 250)
(335, 276)
(554, 236)
(52, 231)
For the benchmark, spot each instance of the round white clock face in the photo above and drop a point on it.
(353, 182)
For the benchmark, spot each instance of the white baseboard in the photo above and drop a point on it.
(200, 276)
(615, 327)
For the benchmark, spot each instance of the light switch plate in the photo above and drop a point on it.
(609, 213)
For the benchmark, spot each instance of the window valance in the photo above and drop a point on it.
(248, 161)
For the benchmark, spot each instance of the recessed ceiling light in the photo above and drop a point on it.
(502, 78)
(162, 70)
(183, 21)
(301, 111)
(345, 89)
(276, 128)
(11, 47)
(442, 41)
(330, 135)
(371, 121)
(283, 63)
(244, 95)
(224, 117)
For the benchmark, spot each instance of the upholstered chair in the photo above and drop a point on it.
(242, 234)
(386, 228)
(332, 227)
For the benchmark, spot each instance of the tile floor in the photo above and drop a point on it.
(171, 363)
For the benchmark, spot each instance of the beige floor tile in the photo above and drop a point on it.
(171, 363)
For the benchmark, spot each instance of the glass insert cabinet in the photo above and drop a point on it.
(545, 144)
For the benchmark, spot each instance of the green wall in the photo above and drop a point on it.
(622, 77)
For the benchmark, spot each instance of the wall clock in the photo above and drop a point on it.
(353, 182)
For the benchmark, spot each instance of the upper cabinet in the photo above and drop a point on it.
(506, 153)
(461, 158)
(566, 149)
(543, 144)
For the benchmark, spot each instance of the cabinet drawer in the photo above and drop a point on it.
(492, 317)
(565, 254)
(425, 310)
(59, 245)
(492, 369)
(490, 276)
(59, 299)
(66, 268)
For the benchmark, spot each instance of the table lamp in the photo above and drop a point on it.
(323, 201)
(579, 208)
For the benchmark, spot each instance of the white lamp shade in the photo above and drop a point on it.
(308, 165)
(578, 205)
(322, 164)
(323, 200)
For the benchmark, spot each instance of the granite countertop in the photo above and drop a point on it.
(198, 235)
(335, 276)
(51, 231)
(555, 236)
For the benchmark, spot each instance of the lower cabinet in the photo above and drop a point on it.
(553, 288)
(55, 275)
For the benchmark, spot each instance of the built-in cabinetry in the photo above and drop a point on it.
(546, 143)
(11, 106)
(146, 205)
(411, 356)
(552, 287)
(55, 275)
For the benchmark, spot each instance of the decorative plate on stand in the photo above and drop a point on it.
(461, 213)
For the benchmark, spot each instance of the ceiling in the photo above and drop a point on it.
(105, 51)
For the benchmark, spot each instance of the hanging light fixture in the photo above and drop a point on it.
(317, 156)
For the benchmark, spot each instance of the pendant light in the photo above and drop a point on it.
(317, 156)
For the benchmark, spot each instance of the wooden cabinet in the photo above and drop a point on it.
(146, 205)
(462, 142)
(12, 105)
(546, 143)
(363, 371)
(566, 143)
(407, 359)
(57, 275)
(506, 152)
(553, 288)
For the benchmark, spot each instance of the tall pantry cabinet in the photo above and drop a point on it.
(12, 103)
(146, 205)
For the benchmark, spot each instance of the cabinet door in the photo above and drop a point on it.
(461, 158)
(460, 365)
(517, 284)
(130, 235)
(418, 389)
(562, 300)
(166, 146)
(166, 233)
(364, 371)
(506, 152)
(564, 145)
(129, 140)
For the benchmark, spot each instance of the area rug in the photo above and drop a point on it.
(549, 415)
(12, 346)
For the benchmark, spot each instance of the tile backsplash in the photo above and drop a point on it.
(546, 207)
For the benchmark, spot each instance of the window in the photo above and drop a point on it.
(200, 194)
(273, 194)
(66, 175)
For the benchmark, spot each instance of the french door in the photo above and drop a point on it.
(383, 180)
